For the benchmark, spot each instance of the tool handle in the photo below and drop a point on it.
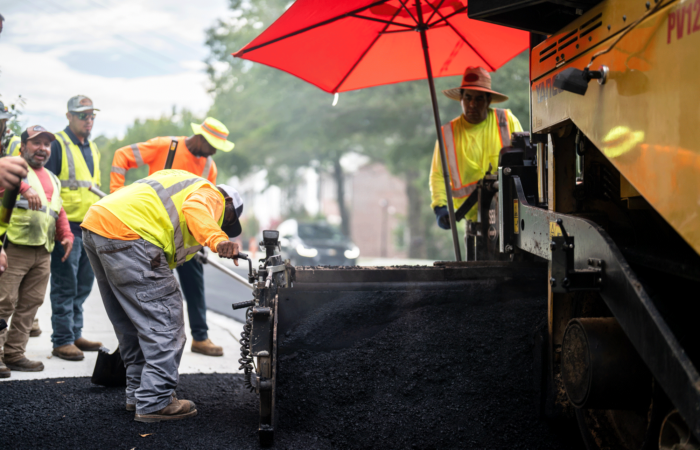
(171, 155)
(241, 255)
(97, 192)
(241, 305)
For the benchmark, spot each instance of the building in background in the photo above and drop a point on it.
(376, 199)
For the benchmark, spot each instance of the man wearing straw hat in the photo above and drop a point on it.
(193, 154)
(473, 142)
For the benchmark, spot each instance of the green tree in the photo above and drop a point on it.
(283, 123)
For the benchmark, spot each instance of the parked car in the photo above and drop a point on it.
(316, 243)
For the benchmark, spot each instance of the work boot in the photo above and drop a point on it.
(36, 331)
(132, 407)
(5, 372)
(207, 347)
(68, 352)
(87, 346)
(24, 365)
(176, 410)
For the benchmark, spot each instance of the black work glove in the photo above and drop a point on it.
(443, 217)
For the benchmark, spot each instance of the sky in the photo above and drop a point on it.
(133, 58)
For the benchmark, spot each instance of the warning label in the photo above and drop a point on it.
(516, 218)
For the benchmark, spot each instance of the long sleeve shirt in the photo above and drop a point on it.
(62, 226)
(154, 153)
(201, 208)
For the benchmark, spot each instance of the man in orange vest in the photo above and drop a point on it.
(193, 154)
(473, 142)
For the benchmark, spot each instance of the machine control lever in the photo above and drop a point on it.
(241, 305)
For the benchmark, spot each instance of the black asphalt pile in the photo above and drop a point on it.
(71, 413)
(454, 370)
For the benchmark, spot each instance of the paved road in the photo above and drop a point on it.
(221, 290)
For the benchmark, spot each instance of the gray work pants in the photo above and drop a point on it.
(143, 302)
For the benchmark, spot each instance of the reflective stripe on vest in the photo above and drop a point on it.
(207, 168)
(165, 195)
(119, 170)
(503, 128)
(71, 182)
(137, 156)
(14, 144)
(24, 204)
(458, 190)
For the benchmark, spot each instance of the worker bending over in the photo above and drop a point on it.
(194, 154)
(473, 142)
(38, 220)
(134, 238)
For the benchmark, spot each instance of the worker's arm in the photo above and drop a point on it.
(202, 209)
(134, 156)
(3, 261)
(438, 195)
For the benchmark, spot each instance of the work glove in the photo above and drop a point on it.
(443, 217)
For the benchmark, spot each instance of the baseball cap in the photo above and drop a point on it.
(235, 229)
(35, 131)
(4, 112)
(80, 103)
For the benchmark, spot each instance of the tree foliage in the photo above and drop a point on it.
(281, 123)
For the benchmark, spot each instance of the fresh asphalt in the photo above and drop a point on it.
(221, 291)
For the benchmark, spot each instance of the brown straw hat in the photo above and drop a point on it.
(476, 79)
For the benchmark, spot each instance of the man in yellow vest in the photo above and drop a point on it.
(134, 238)
(473, 142)
(12, 170)
(76, 162)
(193, 154)
(38, 220)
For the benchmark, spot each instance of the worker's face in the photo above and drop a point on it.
(36, 151)
(81, 123)
(202, 147)
(475, 105)
(230, 216)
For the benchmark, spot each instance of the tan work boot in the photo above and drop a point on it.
(5, 372)
(87, 346)
(176, 410)
(24, 365)
(68, 352)
(36, 331)
(130, 407)
(207, 347)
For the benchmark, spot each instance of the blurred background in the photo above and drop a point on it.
(356, 171)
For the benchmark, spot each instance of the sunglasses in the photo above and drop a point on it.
(85, 116)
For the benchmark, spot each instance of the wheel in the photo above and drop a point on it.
(624, 429)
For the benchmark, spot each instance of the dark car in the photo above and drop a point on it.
(316, 243)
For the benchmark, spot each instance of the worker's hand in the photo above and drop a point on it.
(443, 217)
(33, 199)
(228, 249)
(3, 261)
(67, 247)
(12, 170)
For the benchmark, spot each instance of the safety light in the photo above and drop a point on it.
(352, 253)
(306, 252)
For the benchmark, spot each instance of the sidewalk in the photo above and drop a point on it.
(222, 331)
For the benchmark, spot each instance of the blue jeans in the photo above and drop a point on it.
(71, 283)
(192, 283)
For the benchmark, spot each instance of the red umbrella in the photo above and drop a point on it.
(353, 44)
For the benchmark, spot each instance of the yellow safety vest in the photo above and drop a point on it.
(29, 227)
(13, 146)
(470, 149)
(152, 208)
(76, 179)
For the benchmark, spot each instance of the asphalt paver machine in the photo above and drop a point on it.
(601, 202)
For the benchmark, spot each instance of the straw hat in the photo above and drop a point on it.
(215, 133)
(476, 79)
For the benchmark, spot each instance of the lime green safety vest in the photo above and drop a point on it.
(13, 146)
(152, 208)
(29, 227)
(76, 179)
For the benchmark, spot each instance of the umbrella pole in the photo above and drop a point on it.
(438, 129)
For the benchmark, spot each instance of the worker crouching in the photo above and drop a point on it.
(134, 238)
